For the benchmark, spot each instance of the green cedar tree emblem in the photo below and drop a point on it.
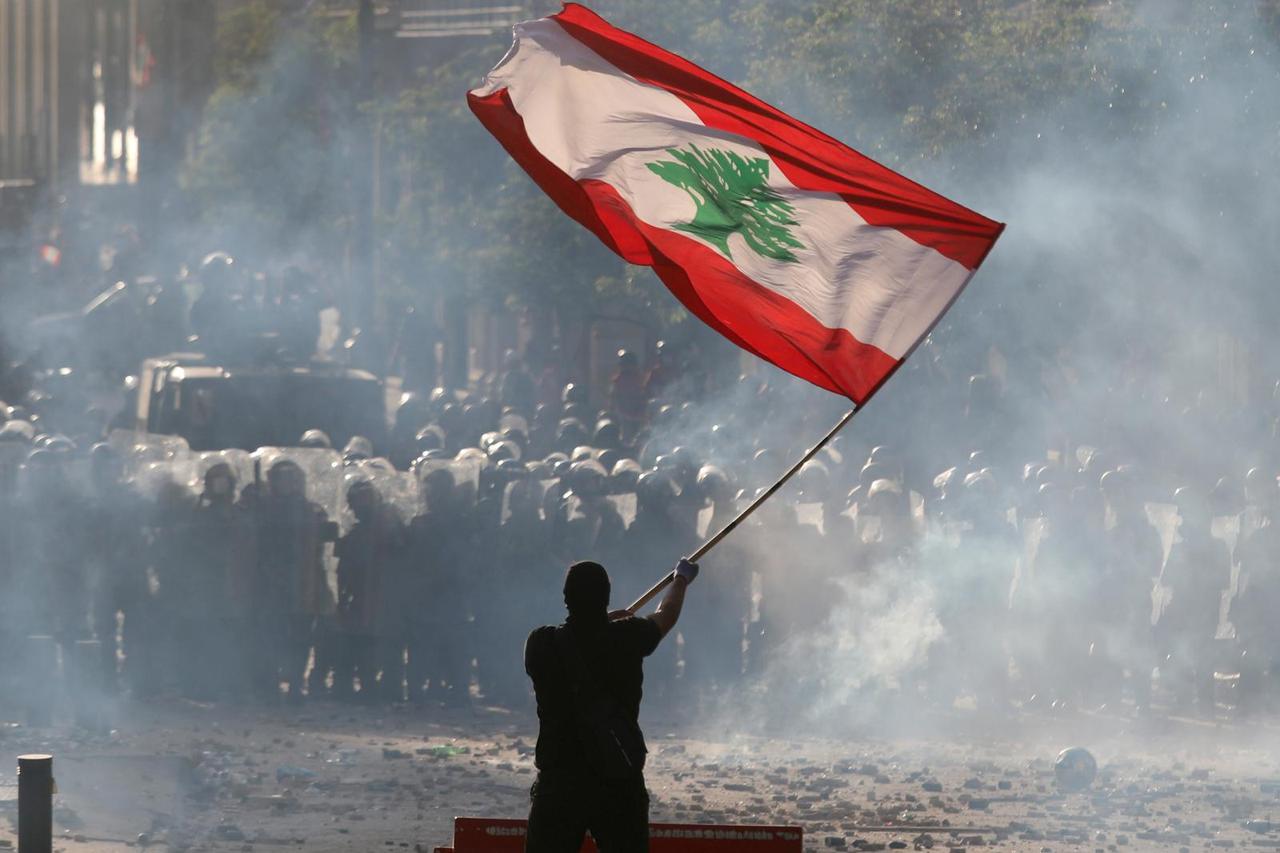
(733, 196)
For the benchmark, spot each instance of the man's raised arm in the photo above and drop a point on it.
(668, 611)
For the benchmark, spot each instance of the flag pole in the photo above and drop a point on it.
(746, 513)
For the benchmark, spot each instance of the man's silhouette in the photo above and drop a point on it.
(587, 675)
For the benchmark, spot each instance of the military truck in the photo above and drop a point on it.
(215, 406)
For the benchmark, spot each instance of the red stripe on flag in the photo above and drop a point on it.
(752, 316)
(809, 158)
(776, 328)
(498, 114)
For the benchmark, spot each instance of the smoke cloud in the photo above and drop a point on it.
(1124, 319)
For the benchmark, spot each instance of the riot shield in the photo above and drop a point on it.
(625, 504)
(147, 446)
(466, 474)
(1252, 519)
(239, 461)
(810, 513)
(392, 487)
(165, 482)
(1033, 535)
(149, 458)
(1227, 528)
(919, 520)
(466, 480)
(704, 521)
(322, 467)
(553, 491)
(1164, 518)
(323, 470)
(405, 495)
(527, 489)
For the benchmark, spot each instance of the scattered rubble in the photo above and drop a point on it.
(338, 778)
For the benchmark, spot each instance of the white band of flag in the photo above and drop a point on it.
(791, 244)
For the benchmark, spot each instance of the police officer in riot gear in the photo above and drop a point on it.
(371, 548)
(220, 317)
(1134, 554)
(1195, 574)
(1257, 600)
(656, 530)
(290, 589)
(439, 540)
(117, 561)
(222, 563)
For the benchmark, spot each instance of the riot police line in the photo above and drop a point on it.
(308, 572)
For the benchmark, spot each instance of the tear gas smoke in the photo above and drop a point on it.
(1127, 309)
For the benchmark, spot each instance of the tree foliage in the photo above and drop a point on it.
(920, 86)
(271, 172)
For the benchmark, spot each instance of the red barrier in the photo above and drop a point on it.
(498, 835)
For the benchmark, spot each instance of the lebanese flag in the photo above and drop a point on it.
(789, 243)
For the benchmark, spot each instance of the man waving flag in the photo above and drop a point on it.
(791, 244)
